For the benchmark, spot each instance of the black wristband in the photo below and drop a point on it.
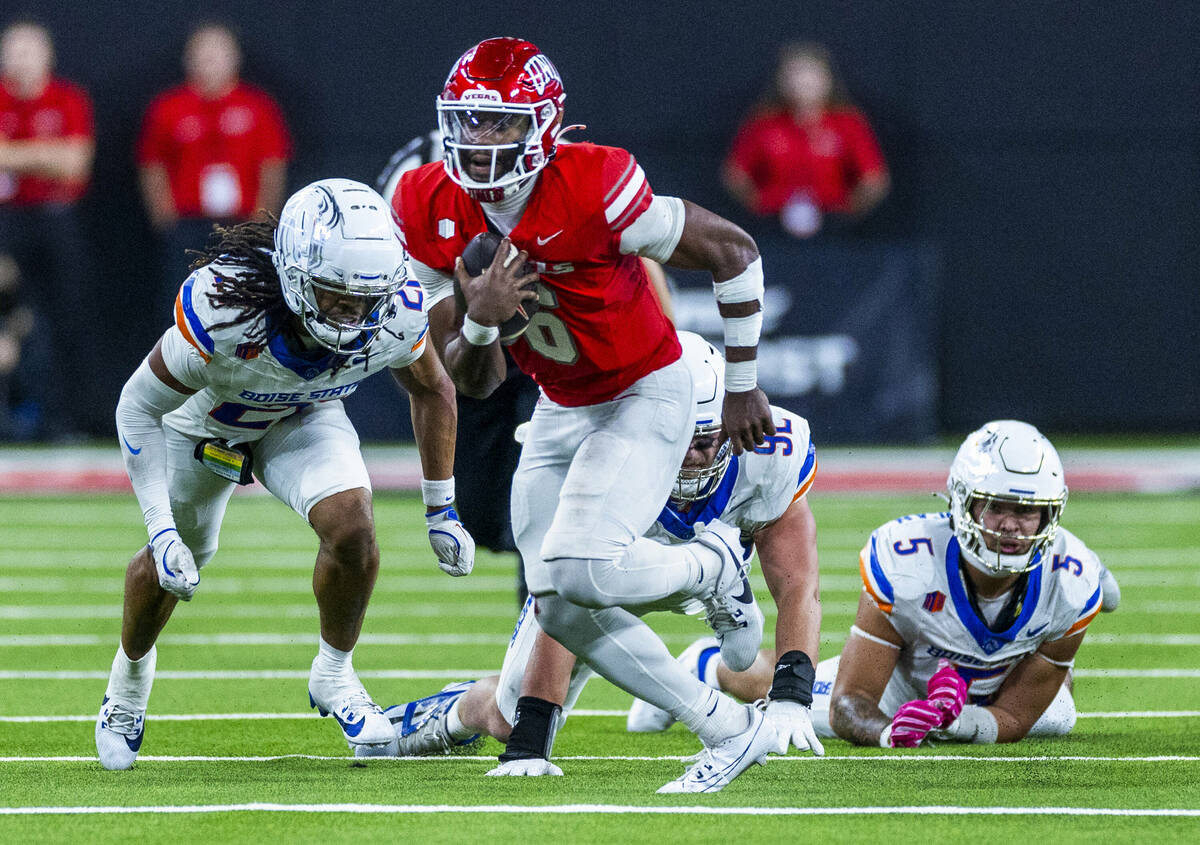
(794, 676)
(532, 735)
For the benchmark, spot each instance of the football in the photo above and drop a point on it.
(476, 258)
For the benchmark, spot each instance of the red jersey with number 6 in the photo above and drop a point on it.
(600, 327)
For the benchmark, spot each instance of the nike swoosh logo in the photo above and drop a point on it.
(1033, 632)
(351, 728)
(132, 450)
(543, 241)
(747, 596)
(135, 744)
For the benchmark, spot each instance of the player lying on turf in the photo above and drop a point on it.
(758, 497)
(271, 332)
(970, 620)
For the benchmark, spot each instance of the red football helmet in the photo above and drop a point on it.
(500, 115)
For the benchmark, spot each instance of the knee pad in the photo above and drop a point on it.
(583, 581)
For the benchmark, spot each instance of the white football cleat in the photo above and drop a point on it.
(731, 611)
(533, 767)
(719, 765)
(1110, 591)
(645, 717)
(119, 732)
(361, 719)
(422, 726)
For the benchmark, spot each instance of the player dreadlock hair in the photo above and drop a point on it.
(255, 290)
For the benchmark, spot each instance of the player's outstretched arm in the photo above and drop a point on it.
(787, 552)
(865, 667)
(710, 242)
(150, 393)
(435, 421)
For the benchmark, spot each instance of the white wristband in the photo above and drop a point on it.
(974, 724)
(741, 376)
(743, 331)
(885, 738)
(437, 494)
(479, 335)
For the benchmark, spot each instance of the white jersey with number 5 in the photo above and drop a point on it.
(243, 386)
(911, 569)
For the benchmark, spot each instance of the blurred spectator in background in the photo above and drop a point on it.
(212, 150)
(808, 156)
(46, 148)
(24, 365)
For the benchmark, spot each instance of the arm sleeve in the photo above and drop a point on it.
(144, 400)
(656, 232)
(437, 284)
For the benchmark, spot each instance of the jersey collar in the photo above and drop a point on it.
(990, 641)
(308, 368)
(682, 525)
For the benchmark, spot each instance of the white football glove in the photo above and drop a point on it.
(793, 724)
(177, 572)
(533, 767)
(454, 547)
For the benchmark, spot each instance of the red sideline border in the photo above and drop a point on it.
(395, 475)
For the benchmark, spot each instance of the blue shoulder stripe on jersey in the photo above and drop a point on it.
(189, 313)
(808, 462)
(681, 524)
(1090, 603)
(990, 641)
(881, 581)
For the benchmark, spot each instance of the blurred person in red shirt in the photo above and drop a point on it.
(808, 154)
(212, 150)
(46, 149)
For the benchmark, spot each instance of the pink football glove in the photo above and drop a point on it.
(912, 721)
(947, 692)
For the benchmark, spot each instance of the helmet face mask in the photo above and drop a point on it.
(1004, 474)
(707, 368)
(340, 263)
(500, 114)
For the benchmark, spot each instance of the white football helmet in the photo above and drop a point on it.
(708, 377)
(1006, 461)
(340, 262)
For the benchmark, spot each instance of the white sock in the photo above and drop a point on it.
(454, 725)
(130, 680)
(332, 663)
(709, 676)
(717, 718)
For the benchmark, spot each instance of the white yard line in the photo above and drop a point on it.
(602, 809)
(234, 717)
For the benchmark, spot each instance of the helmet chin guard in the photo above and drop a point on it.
(340, 262)
(708, 378)
(1005, 461)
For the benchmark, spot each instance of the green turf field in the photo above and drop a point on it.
(232, 753)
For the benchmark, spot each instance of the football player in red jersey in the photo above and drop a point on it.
(616, 413)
